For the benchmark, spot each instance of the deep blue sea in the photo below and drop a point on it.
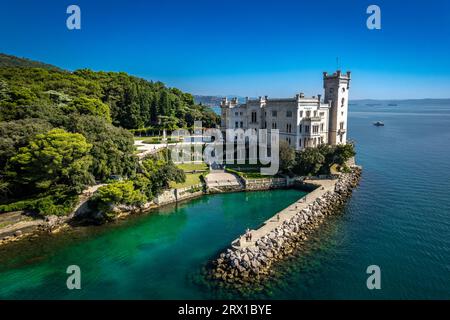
(398, 219)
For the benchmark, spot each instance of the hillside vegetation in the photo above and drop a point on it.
(61, 131)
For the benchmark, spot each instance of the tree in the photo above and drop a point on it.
(160, 172)
(118, 193)
(17, 134)
(57, 157)
(343, 152)
(287, 157)
(90, 106)
(112, 147)
(309, 161)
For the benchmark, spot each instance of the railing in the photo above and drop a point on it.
(313, 119)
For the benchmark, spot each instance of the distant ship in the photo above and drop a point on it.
(378, 124)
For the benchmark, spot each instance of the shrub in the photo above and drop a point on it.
(121, 192)
(55, 202)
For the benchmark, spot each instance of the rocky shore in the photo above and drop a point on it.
(242, 265)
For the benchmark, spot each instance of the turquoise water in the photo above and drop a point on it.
(398, 218)
(154, 256)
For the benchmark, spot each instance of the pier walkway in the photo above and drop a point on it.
(286, 214)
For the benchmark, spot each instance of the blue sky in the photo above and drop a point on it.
(247, 48)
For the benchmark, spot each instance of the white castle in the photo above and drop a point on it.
(302, 122)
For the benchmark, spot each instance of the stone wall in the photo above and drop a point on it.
(176, 195)
(265, 184)
(238, 266)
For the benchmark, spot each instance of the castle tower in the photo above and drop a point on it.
(336, 88)
(224, 114)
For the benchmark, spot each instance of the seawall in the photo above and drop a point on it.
(248, 261)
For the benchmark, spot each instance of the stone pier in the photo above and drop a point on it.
(249, 261)
(321, 187)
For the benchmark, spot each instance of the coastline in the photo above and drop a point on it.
(247, 262)
(53, 224)
(81, 216)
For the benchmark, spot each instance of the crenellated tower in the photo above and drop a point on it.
(336, 88)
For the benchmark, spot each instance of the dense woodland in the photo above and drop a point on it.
(61, 131)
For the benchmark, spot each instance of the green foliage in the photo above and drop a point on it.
(90, 106)
(133, 102)
(308, 161)
(4, 188)
(287, 157)
(12, 61)
(121, 192)
(343, 152)
(17, 134)
(112, 147)
(59, 129)
(57, 157)
(58, 201)
(313, 161)
(160, 172)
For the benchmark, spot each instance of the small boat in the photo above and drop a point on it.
(378, 124)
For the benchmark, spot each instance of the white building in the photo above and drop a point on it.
(302, 122)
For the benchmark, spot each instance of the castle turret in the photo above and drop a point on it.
(224, 114)
(336, 88)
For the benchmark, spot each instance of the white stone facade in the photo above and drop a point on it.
(302, 122)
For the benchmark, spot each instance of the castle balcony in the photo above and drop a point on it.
(313, 119)
(342, 131)
(312, 134)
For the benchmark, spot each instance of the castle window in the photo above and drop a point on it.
(308, 114)
(315, 129)
(236, 114)
(300, 129)
(289, 114)
(321, 127)
(342, 102)
(236, 125)
(299, 142)
(289, 128)
(341, 125)
(253, 117)
(242, 124)
(306, 129)
(331, 90)
(274, 125)
(301, 113)
(274, 113)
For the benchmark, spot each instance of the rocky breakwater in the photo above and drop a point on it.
(242, 265)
